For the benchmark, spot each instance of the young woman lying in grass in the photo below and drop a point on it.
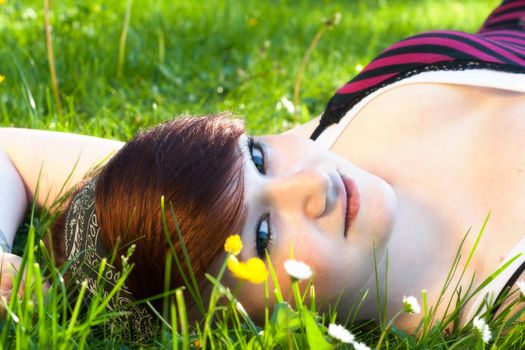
(408, 157)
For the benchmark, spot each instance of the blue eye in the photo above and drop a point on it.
(257, 155)
(263, 236)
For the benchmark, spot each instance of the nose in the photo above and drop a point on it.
(306, 190)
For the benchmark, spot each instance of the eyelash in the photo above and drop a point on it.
(264, 245)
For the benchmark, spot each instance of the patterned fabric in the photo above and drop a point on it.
(499, 46)
(85, 251)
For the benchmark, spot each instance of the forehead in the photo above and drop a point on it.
(249, 177)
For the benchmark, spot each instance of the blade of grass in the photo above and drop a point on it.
(174, 334)
(192, 287)
(378, 294)
(76, 312)
(183, 317)
(39, 293)
(51, 57)
(198, 297)
(123, 38)
(167, 283)
(298, 80)
(277, 289)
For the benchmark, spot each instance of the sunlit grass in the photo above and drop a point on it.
(68, 316)
(196, 57)
(200, 57)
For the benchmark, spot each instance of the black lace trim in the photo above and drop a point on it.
(335, 109)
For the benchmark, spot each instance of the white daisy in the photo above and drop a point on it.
(411, 305)
(337, 18)
(340, 333)
(483, 328)
(360, 346)
(298, 269)
(240, 308)
(285, 103)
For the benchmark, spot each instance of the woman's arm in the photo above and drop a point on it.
(13, 201)
(24, 154)
(54, 156)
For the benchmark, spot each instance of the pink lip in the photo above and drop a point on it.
(352, 202)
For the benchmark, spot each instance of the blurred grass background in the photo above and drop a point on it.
(197, 57)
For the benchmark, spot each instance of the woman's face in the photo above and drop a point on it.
(329, 212)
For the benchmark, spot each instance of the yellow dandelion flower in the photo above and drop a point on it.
(233, 245)
(257, 272)
(254, 270)
(1, 76)
(251, 22)
(237, 268)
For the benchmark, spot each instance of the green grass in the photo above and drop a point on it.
(195, 58)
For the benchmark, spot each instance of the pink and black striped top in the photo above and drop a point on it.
(499, 46)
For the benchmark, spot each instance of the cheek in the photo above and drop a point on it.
(251, 297)
(339, 272)
(340, 269)
(376, 217)
(324, 255)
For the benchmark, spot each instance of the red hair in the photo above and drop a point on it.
(196, 164)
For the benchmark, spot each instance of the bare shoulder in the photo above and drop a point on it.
(305, 129)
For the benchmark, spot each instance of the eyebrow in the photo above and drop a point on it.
(243, 213)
